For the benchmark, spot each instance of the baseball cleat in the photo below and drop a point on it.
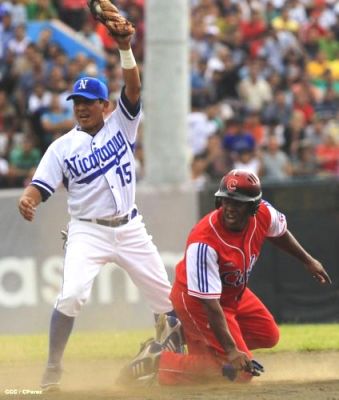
(50, 381)
(169, 333)
(145, 363)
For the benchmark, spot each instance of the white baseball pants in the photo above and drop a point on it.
(91, 246)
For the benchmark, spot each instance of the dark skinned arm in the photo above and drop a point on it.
(238, 359)
(290, 245)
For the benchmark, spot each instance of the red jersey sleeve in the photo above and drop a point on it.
(278, 223)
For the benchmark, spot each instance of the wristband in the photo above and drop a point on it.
(127, 59)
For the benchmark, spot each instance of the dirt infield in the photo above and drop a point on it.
(295, 376)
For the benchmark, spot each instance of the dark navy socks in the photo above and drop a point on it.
(60, 328)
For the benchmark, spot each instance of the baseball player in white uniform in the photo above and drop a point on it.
(95, 162)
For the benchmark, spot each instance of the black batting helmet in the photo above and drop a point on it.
(242, 186)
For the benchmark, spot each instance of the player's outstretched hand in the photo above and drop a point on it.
(27, 207)
(318, 271)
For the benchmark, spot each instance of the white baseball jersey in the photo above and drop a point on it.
(99, 174)
(99, 171)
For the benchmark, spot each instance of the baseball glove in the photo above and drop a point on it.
(108, 14)
(255, 369)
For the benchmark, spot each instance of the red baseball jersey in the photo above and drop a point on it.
(218, 262)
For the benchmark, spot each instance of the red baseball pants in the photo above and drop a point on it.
(250, 323)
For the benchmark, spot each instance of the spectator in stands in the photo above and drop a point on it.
(329, 45)
(248, 160)
(278, 109)
(237, 141)
(61, 60)
(327, 154)
(332, 128)
(255, 90)
(324, 14)
(303, 103)
(8, 78)
(305, 165)
(238, 47)
(27, 78)
(329, 105)
(8, 121)
(83, 60)
(38, 102)
(136, 15)
(23, 160)
(56, 79)
(41, 10)
(225, 35)
(303, 85)
(253, 28)
(19, 42)
(218, 160)
(253, 125)
(272, 50)
(198, 41)
(6, 32)
(19, 13)
(73, 70)
(88, 32)
(107, 40)
(55, 121)
(284, 22)
(224, 74)
(252, 31)
(273, 127)
(200, 84)
(74, 13)
(317, 66)
(314, 133)
(293, 133)
(4, 168)
(44, 40)
(199, 177)
(200, 127)
(276, 165)
(297, 11)
(311, 42)
(25, 62)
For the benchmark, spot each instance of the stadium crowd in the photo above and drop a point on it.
(264, 80)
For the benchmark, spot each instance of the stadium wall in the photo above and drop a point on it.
(312, 211)
(31, 258)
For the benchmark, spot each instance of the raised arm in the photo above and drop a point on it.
(129, 69)
(122, 30)
(290, 245)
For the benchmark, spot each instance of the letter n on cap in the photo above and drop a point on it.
(83, 83)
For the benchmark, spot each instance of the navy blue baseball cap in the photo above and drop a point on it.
(91, 88)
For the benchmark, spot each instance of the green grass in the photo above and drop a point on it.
(118, 345)
(308, 337)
